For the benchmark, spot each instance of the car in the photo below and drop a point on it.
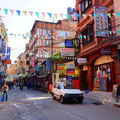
(66, 91)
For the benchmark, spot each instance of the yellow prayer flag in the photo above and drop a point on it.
(25, 13)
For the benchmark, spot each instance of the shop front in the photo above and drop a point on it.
(104, 74)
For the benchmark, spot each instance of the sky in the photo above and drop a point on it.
(23, 24)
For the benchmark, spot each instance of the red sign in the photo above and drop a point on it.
(70, 72)
(6, 62)
(33, 62)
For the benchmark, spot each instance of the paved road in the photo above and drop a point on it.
(36, 105)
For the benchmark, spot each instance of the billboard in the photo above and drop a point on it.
(67, 52)
(101, 21)
(68, 43)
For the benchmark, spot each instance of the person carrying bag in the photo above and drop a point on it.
(4, 91)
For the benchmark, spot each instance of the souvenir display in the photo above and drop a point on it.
(102, 78)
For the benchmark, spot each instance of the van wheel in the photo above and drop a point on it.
(62, 101)
(53, 96)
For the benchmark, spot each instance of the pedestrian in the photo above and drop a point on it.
(4, 91)
(118, 93)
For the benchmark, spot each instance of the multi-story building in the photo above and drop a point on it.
(27, 59)
(21, 64)
(98, 29)
(47, 39)
(3, 48)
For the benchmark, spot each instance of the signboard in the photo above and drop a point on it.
(81, 60)
(70, 66)
(7, 61)
(101, 21)
(67, 52)
(68, 43)
(70, 72)
(105, 51)
(62, 68)
(69, 78)
(48, 65)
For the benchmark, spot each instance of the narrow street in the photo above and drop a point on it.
(37, 105)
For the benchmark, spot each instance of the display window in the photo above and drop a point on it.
(103, 80)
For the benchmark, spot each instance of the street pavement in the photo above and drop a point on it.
(37, 105)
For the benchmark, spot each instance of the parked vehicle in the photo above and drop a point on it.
(67, 91)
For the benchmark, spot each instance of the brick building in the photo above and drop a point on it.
(47, 39)
(102, 69)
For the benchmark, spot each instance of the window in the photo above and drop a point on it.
(61, 44)
(38, 32)
(38, 42)
(46, 54)
(88, 35)
(44, 32)
(85, 4)
(46, 42)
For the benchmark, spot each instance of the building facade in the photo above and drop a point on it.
(48, 38)
(100, 69)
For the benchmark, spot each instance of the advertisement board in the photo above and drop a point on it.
(65, 52)
(101, 21)
(68, 43)
(62, 68)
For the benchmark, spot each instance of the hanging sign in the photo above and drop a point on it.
(101, 21)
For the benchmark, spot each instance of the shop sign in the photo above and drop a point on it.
(69, 78)
(70, 72)
(70, 66)
(67, 52)
(81, 60)
(62, 68)
(101, 21)
(68, 43)
(105, 51)
(6, 62)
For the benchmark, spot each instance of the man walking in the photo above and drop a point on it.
(4, 90)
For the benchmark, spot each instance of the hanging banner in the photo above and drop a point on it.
(101, 22)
